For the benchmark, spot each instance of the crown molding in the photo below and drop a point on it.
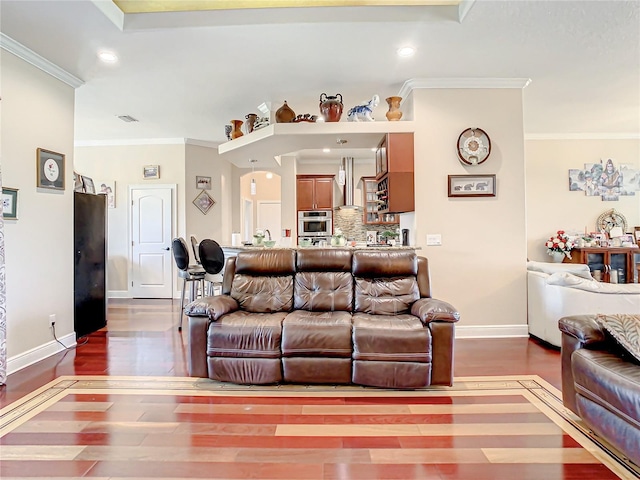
(415, 83)
(10, 45)
(111, 11)
(463, 8)
(582, 136)
(129, 142)
(201, 143)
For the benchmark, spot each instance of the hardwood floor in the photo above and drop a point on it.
(141, 338)
(135, 432)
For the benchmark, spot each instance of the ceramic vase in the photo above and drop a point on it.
(257, 241)
(394, 114)
(284, 114)
(331, 107)
(237, 128)
(557, 257)
(251, 121)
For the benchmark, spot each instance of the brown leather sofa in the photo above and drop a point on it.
(330, 315)
(600, 385)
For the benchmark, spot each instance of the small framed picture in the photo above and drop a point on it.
(472, 185)
(78, 186)
(88, 185)
(636, 232)
(150, 172)
(203, 183)
(204, 202)
(50, 169)
(108, 188)
(9, 203)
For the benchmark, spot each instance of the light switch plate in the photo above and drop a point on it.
(434, 239)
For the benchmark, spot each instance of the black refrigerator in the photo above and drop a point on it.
(90, 253)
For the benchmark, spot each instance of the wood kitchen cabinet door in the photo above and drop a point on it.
(304, 193)
(324, 193)
(314, 192)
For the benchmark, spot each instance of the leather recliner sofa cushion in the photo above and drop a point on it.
(244, 334)
(325, 334)
(607, 379)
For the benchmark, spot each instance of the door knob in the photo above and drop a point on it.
(167, 249)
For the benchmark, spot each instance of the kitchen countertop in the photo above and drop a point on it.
(297, 247)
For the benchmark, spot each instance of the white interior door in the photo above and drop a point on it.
(151, 257)
(270, 218)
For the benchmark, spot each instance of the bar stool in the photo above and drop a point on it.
(192, 274)
(194, 247)
(212, 258)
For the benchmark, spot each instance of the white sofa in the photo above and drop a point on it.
(556, 290)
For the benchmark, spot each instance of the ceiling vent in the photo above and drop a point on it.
(127, 118)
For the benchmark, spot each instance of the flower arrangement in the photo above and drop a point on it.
(258, 237)
(338, 239)
(559, 243)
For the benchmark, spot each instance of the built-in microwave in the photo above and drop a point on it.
(315, 223)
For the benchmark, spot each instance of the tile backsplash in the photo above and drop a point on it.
(350, 221)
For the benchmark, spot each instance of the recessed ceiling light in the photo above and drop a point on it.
(406, 51)
(269, 175)
(326, 150)
(107, 56)
(374, 149)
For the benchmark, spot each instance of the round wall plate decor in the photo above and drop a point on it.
(609, 219)
(474, 146)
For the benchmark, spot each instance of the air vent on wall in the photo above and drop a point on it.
(127, 118)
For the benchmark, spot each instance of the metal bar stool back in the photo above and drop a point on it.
(192, 274)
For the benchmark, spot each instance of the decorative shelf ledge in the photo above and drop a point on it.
(288, 138)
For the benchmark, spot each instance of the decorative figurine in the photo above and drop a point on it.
(362, 113)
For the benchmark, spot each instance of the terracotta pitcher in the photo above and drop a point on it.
(394, 112)
(331, 107)
(237, 129)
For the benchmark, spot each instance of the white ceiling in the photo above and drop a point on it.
(185, 75)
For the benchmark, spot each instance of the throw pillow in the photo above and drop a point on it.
(625, 329)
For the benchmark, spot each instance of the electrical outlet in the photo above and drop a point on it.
(52, 319)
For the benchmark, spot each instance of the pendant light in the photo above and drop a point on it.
(253, 180)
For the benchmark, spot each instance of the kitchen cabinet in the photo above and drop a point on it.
(394, 174)
(612, 265)
(371, 202)
(394, 154)
(314, 192)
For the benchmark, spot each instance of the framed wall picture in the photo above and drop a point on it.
(50, 169)
(204, 202)
(9, 203)
(472, 185)
(108, 188)
(203, 183)
(150, 172)
(89, 187)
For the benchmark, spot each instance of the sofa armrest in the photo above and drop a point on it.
(578, 331)
(211, 307)
(433, 310)
(197, 347)
(583, 328)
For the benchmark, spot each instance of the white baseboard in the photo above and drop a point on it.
(39, 353)
(118, 294)
(491, 331)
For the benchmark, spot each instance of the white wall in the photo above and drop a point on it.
(124, 164)
(550, 204)
(37, 111)
(216, 224)
(480, 267)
